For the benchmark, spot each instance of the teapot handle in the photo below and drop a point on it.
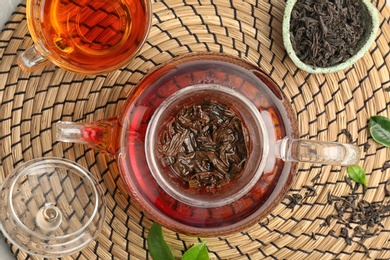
(333, 153)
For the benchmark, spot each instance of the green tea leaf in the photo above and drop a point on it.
(357, 174)
(158, 248)
(197, 252)
(380, 129)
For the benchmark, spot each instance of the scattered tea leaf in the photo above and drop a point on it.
(294, 200)
(353, 212)
(317, 177)
(366, 147)
(197, 252)
(344, 233)
(387, 188)
(357, 174)
(348, 135)
(310, 191)
(367, 252)
(386, 166)
(158, 248)
(380, 129)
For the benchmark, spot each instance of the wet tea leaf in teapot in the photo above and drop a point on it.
(380, 129)
(205, 144)
(324, 33)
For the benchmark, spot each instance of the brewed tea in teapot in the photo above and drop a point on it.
(270, 140)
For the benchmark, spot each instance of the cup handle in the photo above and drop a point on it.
(31, 59)
(332, 153)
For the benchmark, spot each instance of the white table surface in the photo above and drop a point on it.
(6, 9)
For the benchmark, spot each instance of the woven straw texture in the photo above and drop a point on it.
(334, 107)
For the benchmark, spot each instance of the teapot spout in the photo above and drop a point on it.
(97, 135)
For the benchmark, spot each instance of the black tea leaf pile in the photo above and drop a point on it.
(325, 32)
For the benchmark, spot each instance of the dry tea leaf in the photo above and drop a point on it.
(325, 32)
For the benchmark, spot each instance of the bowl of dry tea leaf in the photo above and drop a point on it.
(326, 36)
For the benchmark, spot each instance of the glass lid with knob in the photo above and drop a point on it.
(51, 207)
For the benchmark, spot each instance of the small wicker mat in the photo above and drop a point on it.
(332, 107)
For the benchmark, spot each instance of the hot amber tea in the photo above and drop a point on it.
(90, 35)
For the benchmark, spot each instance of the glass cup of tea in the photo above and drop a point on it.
(207, 144)
(51, 207)
(88, 36)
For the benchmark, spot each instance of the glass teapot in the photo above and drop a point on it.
(206, 144)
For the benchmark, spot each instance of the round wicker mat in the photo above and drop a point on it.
(332, 107)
